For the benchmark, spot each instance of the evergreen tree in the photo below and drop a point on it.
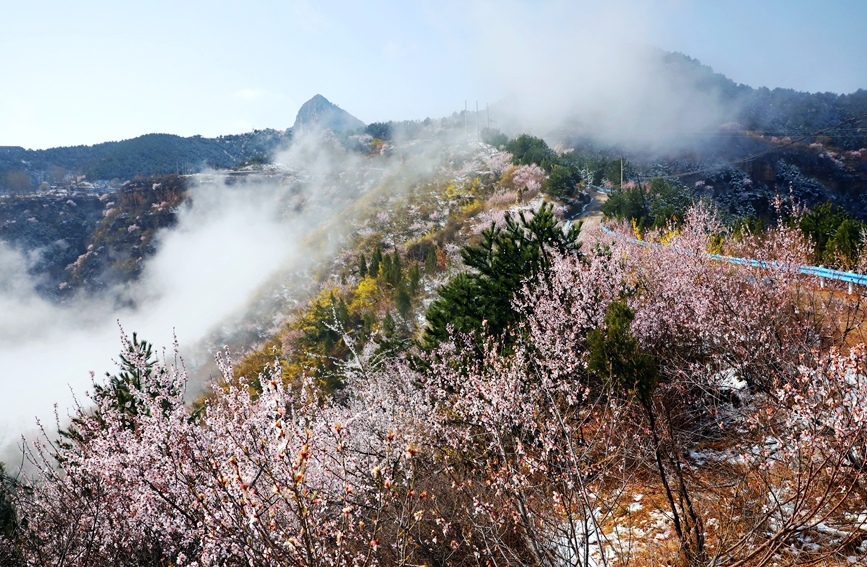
(616, 356)
(8, 519)
(10, 555)
(385, 269)
(414, 279)
(528, 149)
(391, 342)
(494, 137)
(563, 181)
(362, 266)
(388, 326)
(392, 272)
(136, 364)
(403, 303)
(846, 243)
(321, 337)
(836, 236)
(375, 261)
(481, 301)
(430, 261)
(397, 270)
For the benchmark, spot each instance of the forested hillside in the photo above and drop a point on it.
(629, 405)
(776, 112)
(24, 171)
(465, 368)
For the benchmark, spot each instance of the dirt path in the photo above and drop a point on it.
(593, 214)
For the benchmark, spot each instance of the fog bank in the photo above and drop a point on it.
(239, 238)
(590, 68)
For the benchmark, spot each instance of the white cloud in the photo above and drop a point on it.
(233, 243)
(226, 244)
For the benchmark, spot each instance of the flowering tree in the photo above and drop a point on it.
(526, 452)
(714, 387)
(274, 479)
(720, 335)
(528, 178)
(498, 163)
(796, 472)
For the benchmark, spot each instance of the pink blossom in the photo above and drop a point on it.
(528, 177)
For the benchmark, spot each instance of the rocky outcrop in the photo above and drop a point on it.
(319, 113)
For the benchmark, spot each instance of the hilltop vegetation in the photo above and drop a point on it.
(89, 242)
(646, 399)
(459, 379)
(23, 171)
(775, 112)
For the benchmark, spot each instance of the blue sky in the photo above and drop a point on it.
(96, 70)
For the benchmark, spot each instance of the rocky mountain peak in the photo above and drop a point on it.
(319, 113)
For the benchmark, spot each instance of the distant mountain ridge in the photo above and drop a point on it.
(319, 113)
(22, 171)
(784, 113)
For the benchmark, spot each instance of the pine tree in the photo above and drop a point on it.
(414, 279)
(402, 302)
(375, 261)
(430, 261)
(7, 510)
(385, 269)
(392, 272)
(362, 266)
(616, 357)
(480, 302)
(136, 364)
(388, 326)
(396, 270)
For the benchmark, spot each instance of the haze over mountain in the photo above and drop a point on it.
(87, 220)
(604, 314)
(319, 113)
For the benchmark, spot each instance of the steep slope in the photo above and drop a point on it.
(777, 112)
(319, 113)
(22, 170)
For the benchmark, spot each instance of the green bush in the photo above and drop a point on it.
(835, 235)
(480, 302)
(649, 207)
(526, 150)
(563, 181)
(494, 137)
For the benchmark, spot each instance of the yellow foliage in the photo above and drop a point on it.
(453, 191)
(321, 301)
(668, 235)
(506, 180)
(471, 208)
(366, 296)
(254, 363)
(715, 244)
(475, 186)
(636, 230)
(465, 190)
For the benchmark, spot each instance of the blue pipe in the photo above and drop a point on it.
(839, 275)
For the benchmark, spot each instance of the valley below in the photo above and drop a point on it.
(402, 344)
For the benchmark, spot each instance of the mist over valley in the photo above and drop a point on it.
(610, 313)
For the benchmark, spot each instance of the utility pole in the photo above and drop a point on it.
(466, 125)
(621, 173)
(478, 135)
